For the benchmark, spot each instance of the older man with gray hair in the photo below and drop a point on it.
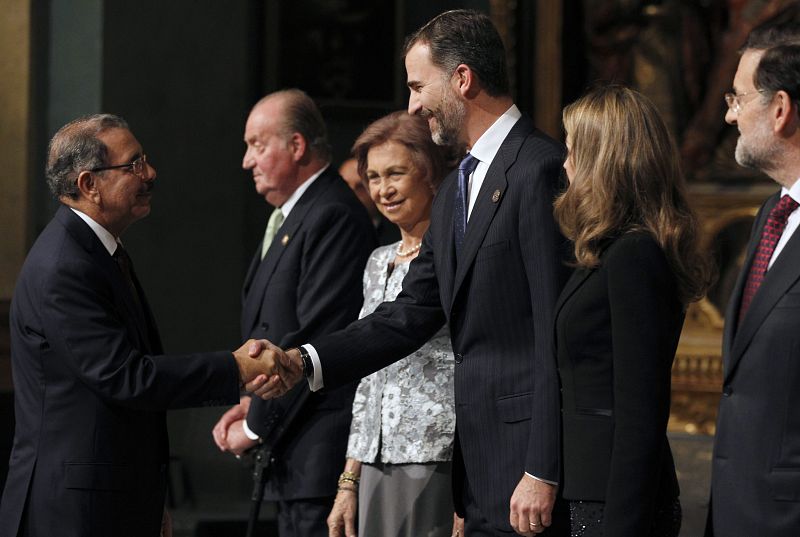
(91, 382)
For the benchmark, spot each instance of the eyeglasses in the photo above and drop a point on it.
(137, 166)
(734, 100)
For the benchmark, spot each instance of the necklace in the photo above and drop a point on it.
(406, 253)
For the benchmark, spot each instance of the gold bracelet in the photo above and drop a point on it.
(349, 477)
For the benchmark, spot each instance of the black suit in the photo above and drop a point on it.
(307, 285)
(90, 447)
(755, 481)
(617, 329)
(498, 299)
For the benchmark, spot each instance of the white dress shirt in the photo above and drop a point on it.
(791, 223)
(485, 149)
(108, 240)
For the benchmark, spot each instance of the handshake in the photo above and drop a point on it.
(267, 371)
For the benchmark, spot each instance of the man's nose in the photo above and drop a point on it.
(247, 161)
(414, 105)
(149, 172)
(730, 117)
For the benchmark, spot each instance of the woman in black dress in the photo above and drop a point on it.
(620, 315)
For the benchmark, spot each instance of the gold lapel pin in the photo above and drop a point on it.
(285, 240)
(496, 196)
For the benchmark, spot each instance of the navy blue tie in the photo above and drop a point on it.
(465, 169)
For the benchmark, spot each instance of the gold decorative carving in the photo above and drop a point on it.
(697, 369)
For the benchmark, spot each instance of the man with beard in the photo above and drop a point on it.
(755, 484)
(91, 383)
(491, 265)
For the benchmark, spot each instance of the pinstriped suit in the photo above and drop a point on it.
(498, 299)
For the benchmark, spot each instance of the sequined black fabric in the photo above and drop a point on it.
(586, 519)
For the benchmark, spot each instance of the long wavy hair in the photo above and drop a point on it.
(627, 177)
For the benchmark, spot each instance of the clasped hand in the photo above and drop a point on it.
(267, 371)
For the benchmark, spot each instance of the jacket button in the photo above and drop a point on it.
(459, 358)
(727, 390)
(265, 326)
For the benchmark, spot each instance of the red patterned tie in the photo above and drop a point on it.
(773, 229)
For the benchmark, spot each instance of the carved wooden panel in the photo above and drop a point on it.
(726, 217)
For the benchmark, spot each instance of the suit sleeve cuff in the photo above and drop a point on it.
(315, 379)
(554, 483)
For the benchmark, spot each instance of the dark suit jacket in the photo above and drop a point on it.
(755, 482)
(309, 284)
(90, 447)
(617, 328)
(498, 299)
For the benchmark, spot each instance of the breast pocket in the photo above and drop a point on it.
(789, 300)
(492, 250)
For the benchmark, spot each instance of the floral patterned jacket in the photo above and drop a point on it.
(407, 409)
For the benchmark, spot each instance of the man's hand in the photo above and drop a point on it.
(287, 368)
(532, 506)
(166, 524)
(234, 414)
(458, 526)
(237, 441)
(254, 370)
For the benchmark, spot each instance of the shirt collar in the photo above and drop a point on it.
(794, 192)
(108, 240)
(287, 207)
(487, 146)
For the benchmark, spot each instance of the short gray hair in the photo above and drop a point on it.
(76, 148)
(301, 115)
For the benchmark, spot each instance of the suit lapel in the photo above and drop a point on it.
(777, 281)
(251, 271)
(732, 313)
(445, 253)
(261, 272)
(489, 199)
(84, 235)
(573, 284)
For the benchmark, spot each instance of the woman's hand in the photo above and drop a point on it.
(342, 520)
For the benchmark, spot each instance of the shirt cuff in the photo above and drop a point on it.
(554, 483)
(248, 433)
(315, 378)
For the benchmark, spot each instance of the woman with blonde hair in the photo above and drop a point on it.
(620, 315)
